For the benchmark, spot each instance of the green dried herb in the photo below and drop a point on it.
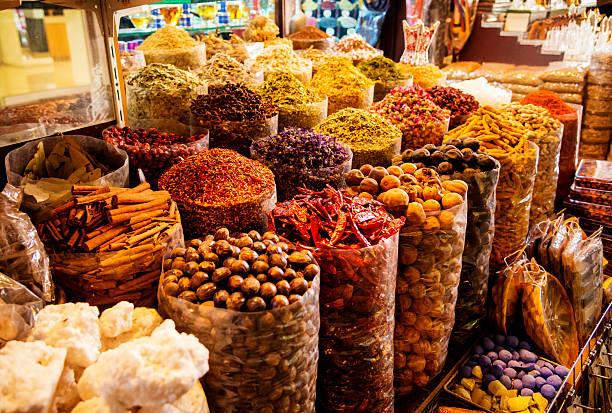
(380, 69)
(338, 77)
(222, 68)
(285, 89)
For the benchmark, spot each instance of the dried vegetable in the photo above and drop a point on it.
(355, 243)
(505, 140)
(173, 45)
(159, 95)
(303, 158)
(462, 159)
(343, 84)
(426, 76)
(355, 47)
(259, 316)
(234, 115)
(430, 250)
(385, 73)
(153, 151)
(298, 106)
(235, 47)
(372, 138)
(461, 105)
(416, 115)
(310, 36)
(106, 244)
(281, 58)
(547, 134)
(222, 68)
(261, 29)
(567, 115)
(219, 187)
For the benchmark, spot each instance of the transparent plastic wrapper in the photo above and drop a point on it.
(548, 316)
(362, 100)
(575, 98)
(564, 75)
(259, 362)
(597, 120)
(186, 58)
(545, 186)
(236, 135)
(506, 293)
(40, 196)
(595, 136)
(600, 77)
(473, 287)
(513, 202)
(593, 196)
(104, 279)
(23, 255)
(164, 111)
(563, 87)
(377, 157)
(305, 115)
(520, 89)
(593, 151)
(357, 318)
(569, 151)
(603, 92)
(18, 308)
(21, 132)
(524, 77)
(154, 159)
(289, 179)
(461, 70)
(583, 279)
(381, 89)
(598, 106)
(427, 288)
(132, 61)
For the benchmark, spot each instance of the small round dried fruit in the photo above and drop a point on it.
(235, 301)
(299, 286)
(221, 274)
(283, 288)
(220, 298)
(311, 271)
(268, 290)
(198, 279)
(222, 233)
(256, 304)
(206, 292)
(250, 286)
(234, 283)
(279, 301)
(172, 289)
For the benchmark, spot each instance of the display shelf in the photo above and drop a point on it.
(123, 33)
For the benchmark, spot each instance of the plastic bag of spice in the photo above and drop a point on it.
(262, 361)
(18, 307)
(23, 254)
(43, 194)
(356, 337)
(306, 115)
(427, 287)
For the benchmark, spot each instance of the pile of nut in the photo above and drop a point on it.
(430, 250)
(249, 272)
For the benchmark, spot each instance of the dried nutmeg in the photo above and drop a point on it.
(276, 274)
(262, 278)
(354, 177)
(220, 298)
(299, 258)
(222, 233)
(283, 287)
(178, 264)
(293, 298)
(228, 262)
(191, 268)
(184, 284)
(273, 249)
(172, 289)
(236, 301)
(178, 252)
(170, 279)
(278, 260)
(194, 243)
(279, 301)
(206, 292)
(250, 286)
(267, 290)
(221, 274)
(191, 255)
(269, 235)
(234, 283)
(255, 236)
(244, 241)
(259, 247)
(198, 279)
(210, 256)
(240, 267)
(248, 255)
(207, 266)
(188, 296)
(222, 248)
(290, 274)
(298, 286)
(256, 304)
(311, 271)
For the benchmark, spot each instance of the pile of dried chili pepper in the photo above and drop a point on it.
(332, 218)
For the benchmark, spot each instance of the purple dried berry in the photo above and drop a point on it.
(488, 344)
(510, 372)
(529, 382)
(505, 356)
(548, 391)
(526, 392)
(539, 382)
(465, 371)
(499, 339)
(546, 372)
(497, 371)
(524, 345)
(555, 381)
(527, 356)
(492, 356)
(562, 371)
(517, 384)
(506, 381)
(500, 363)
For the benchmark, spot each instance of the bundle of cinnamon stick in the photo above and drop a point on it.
(124, 233)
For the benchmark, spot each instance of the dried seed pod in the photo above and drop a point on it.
(276, 274)
(178, 252)
(311, 271)
(260, 267)
(299, 258)
(278, 260)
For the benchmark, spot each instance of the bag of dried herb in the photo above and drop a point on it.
(173, 45)
(222, 68)
(220, 188)
(421, 121)
(235, 47)
(385, 73)
(343, 84)
(358, 260)
(303, 158)
(298, 105)
(372, 138)
(158, 96)
(281, 58)
(461, 105)
(235, 117)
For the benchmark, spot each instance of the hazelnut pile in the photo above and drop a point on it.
(248, 272)
(455, 155)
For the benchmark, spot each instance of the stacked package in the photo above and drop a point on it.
(566, 81)
(597, 123)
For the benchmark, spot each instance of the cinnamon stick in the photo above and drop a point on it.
(93, 243)
(78, 189)
(137, 198)
(129, 259)
(136, 239)
(146, 216)
(139, 225)
(98, 197)
(140, 207)
(62, 208)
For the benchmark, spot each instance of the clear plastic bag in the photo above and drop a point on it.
(600, 77)
(583, 279)
(236, 135)
(427, 288)
(520, 89)
(259, 362)
(593, 151)
(603, 92)
(356, 337)
(506, 292)
(524, 77)
(569, 152)
(18, 307)
(362, 100)
(563, 87)
(186, 58)
(23, 255)
(564, 75)
(474, 282)
(597, 120)
(92, 277)
(57, 191)
(513, 202)
(598, 106)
